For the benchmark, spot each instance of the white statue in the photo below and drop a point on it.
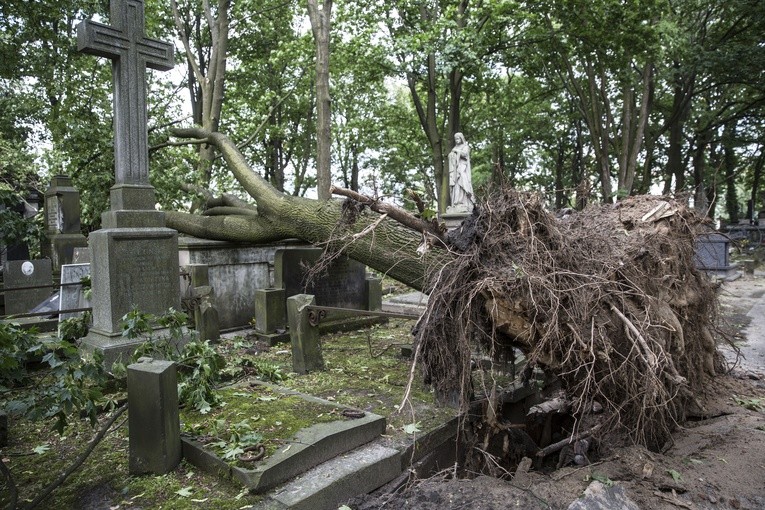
(460, 181)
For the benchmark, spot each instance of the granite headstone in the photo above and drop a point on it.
(22, 274)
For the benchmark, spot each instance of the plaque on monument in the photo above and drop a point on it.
(73, 296)
(343, 286)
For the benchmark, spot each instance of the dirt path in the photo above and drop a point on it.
(716, 461)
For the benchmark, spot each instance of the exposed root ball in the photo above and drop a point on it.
(608, 299)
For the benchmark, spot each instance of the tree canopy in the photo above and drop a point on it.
(591, 99)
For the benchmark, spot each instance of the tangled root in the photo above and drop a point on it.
(608, 299)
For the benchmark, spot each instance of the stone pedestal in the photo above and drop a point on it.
(306, 347)
(454, 219)
(62, 222)
(132, 267)
(153, 424)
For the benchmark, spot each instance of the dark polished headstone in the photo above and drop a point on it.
(21, 274)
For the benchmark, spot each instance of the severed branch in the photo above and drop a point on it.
(555, 447)
(369, 228)
(394, 212)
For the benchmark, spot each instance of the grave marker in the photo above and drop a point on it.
(72, 296)
(135, 258)
(62, 222)
(153, 421)
(26, 273)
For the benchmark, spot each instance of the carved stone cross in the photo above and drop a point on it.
(131, 52)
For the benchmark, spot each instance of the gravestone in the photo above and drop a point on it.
(81, 256)
(26, 273)
(206, 320)
(134, 256)
(72, 296)
(304, 336)
(154, 427)
(711, 254)
(344, 285)
(62, 222)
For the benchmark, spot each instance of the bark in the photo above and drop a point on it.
(390, 247)
(320, 18)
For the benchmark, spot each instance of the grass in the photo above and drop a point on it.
(364, 370)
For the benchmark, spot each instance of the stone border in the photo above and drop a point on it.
(308, 448)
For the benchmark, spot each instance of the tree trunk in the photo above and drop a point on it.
(280, 216)
(320, 25)
(206, 77)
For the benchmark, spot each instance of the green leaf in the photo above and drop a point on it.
(39, 450)
(412, 428)
(185, 492)
(675, 475)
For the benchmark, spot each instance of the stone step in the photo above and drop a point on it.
(328, 485)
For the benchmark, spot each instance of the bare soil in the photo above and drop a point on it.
(713, 461)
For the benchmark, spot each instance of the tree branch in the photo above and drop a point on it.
(79, 460)
(394, 212)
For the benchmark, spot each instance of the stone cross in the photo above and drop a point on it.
(131, 52)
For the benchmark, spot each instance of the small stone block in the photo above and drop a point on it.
(199, 274)
(208, 323)
(748, 266)
(154, 423)
(270, 310)
(306, 347)
(373, 291)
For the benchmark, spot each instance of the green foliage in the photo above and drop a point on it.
(67, 385)
(15, 344)
(74, 328)
(200, 367)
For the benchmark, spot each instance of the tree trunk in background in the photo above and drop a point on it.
(320, 16)
(206, 78)
(729, 165)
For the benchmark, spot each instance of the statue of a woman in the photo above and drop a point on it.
(460, 181)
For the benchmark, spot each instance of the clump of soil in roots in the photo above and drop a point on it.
(608, 300)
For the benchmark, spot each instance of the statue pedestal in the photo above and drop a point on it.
(453, 217)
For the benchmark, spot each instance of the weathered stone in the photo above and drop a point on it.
(132, 268)
(72, 296)
(130, 51)
(235, 271)
(270, 310)
(62, 222)
(81, 255)
(306, 347)
(154, 423)
(135, 259)
(373, 293)
(343, 286)
(26, 273)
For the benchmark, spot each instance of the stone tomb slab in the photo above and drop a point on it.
(72, 296)
(308, 448)
(26, 273)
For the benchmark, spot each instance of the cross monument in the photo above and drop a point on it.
(134, 256)
(131, 52)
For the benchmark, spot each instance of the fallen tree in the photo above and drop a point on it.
(608, 300)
